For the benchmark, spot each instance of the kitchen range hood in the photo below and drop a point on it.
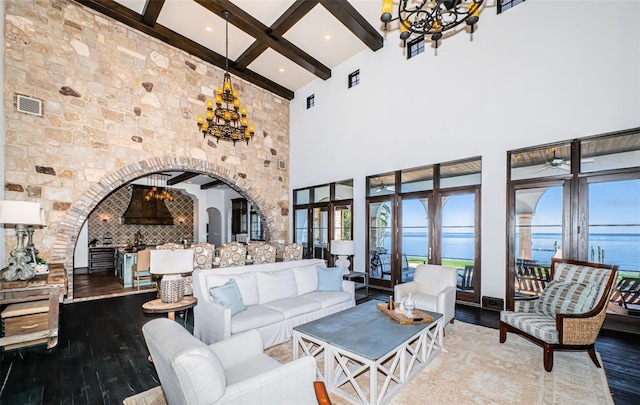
(143, 212)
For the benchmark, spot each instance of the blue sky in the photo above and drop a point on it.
(609, 203)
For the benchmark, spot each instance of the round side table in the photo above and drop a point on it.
(170, 308)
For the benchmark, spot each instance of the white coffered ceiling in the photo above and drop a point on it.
(279, 45)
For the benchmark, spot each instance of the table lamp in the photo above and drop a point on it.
(343, 249)
(171, 264)
(21, 214)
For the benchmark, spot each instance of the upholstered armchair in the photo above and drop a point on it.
(232, 254)
(433, 288)
(252, 245)
(569, 312)
(203, 255)
(292, 251)
(232, 371)
(264, 253)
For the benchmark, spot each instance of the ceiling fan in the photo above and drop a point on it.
(560, 163)
(382, 187)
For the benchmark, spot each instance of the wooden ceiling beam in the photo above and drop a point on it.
(211, 184)
(293, 14)
(134, 20)
(247, 23)
(355, 22)
(152, 11)
(180, 178)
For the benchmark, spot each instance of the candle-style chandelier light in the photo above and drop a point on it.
(228, 122)
(159, 189)
(430, 17)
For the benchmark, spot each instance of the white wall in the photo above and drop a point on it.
(541, 72)
(81, 252)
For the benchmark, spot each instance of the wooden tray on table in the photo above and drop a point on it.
(419, 316)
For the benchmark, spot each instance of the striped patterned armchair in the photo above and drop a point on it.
(569, 312)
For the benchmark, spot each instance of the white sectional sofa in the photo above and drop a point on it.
(277, 296)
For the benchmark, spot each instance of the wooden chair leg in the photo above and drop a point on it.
(592, 354)
(548, 357)
(503, 333)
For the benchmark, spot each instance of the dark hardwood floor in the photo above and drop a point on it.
(101, 357)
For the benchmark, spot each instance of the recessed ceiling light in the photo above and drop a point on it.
(327, 36)
(208, 28)
(281, 70)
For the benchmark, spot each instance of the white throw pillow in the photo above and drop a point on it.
(306, 279)
(275, 285)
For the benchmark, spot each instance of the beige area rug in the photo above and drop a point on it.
(479, 370)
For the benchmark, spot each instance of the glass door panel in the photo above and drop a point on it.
(614, 225)
(380, 242)
(342, 222)
(302, 230)
(458, 238)
(414, 236)
(320, 233)
(538, 237)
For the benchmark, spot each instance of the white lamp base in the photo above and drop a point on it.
(343, 262)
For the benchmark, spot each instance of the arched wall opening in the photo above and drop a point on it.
(66, 235)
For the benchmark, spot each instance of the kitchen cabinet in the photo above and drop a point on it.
(102, 259)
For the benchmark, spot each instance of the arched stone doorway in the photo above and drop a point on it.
(66, 235)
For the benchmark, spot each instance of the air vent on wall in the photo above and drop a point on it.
(28, 105)
(282, 165)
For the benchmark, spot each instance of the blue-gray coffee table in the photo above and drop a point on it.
(362, 347)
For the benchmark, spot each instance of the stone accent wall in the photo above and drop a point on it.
(118, 105)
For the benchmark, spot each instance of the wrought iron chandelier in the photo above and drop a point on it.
(229, 122)
(431, 17)
(159, 189)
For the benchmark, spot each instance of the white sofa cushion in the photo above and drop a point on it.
(294, 306)
(306, 279)
(276, 285)
(328, 298)
(254, 317)
(247, 285)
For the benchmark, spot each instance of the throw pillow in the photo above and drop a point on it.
(228, 295)
(329, 279)
(560, 297)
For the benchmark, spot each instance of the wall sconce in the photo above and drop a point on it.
(104, 218)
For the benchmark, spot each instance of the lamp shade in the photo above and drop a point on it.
(343, 247)
(21, 212)
(171, 261)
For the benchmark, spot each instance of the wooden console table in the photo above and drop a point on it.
(51, 287)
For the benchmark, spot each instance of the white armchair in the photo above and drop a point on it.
(433, 289)
(232, 371)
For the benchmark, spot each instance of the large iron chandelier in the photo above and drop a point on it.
(229, 122)
(159, 189)
(430, 17)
